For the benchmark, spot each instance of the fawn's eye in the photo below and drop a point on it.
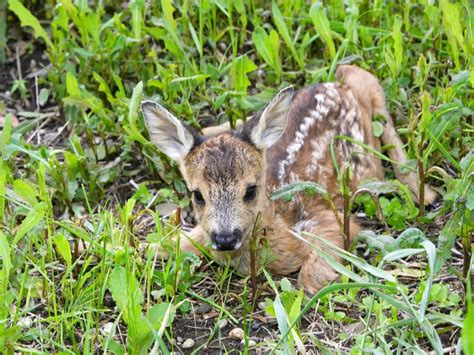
(250, 193)
(198, 199)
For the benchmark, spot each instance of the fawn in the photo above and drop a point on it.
(232, 172)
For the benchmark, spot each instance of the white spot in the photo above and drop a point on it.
(320, 148)
(305, 225)
(238, 245)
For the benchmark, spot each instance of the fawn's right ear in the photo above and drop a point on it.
(166, 131)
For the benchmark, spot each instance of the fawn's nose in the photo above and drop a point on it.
(226, 240)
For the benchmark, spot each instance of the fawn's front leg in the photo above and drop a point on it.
(186, 239)
(315, 272)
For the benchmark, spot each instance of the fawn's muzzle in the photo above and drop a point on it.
(226, 240)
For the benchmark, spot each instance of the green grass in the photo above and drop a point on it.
(81, 184)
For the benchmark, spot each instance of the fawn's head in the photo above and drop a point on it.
(227, 172)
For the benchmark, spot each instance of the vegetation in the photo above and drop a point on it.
(82, 188)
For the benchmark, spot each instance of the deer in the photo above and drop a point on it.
(232, 172)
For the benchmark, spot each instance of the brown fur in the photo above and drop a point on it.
(222, 165)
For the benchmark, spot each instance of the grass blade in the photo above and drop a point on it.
(283, 30)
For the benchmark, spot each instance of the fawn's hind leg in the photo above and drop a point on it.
(315, 272)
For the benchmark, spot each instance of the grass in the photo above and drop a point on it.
(82, 188)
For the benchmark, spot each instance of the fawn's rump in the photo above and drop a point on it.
(321, 118)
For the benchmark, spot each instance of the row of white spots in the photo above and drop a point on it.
(295, 146)
(325, 101)
(320, 147)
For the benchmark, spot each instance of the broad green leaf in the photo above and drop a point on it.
(377, 129)
(72, 85)
(26, 190)
(157, 314)
(262, 44)
(136, 8)
(321, 23)
(5, 134)
(268, 47)
(377, 187)
(296, 307)
(5, 253)
(453, 29)
(126, 293)
(285, 285)
(410, 238)
(43, 96)
(240, 68)
(168, 10)
(63, 248)
(33, 218)
(289, 190)
(284, 32)
(27, 19)
(426, 115)
(134, 105)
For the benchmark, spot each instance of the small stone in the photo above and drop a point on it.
(261, 305)
(107, 328)
(236, 333)
(25, 322)
(204, 308)
(205, 293)
(188, 343)
(222, 323)
(179, 339)
(250, 344)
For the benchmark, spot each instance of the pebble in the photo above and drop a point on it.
(261, 305)
(204, 308)
(107, 328)
(188, 343)
(236, 333)
(251, 342)
(222, 323)
(25, 322)
(179, 339)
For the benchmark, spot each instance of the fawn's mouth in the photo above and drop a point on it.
(227, 242)
(219, 247)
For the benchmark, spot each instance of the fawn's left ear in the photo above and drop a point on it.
(166, 131)
(265, 130)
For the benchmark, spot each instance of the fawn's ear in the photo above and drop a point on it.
(265, 130)
(166, 131)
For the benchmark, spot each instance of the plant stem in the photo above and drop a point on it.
(3, 29)
(347, 217)
(253, 257)
(467, 248)
(421, 177)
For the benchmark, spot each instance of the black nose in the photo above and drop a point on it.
(226, 240)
